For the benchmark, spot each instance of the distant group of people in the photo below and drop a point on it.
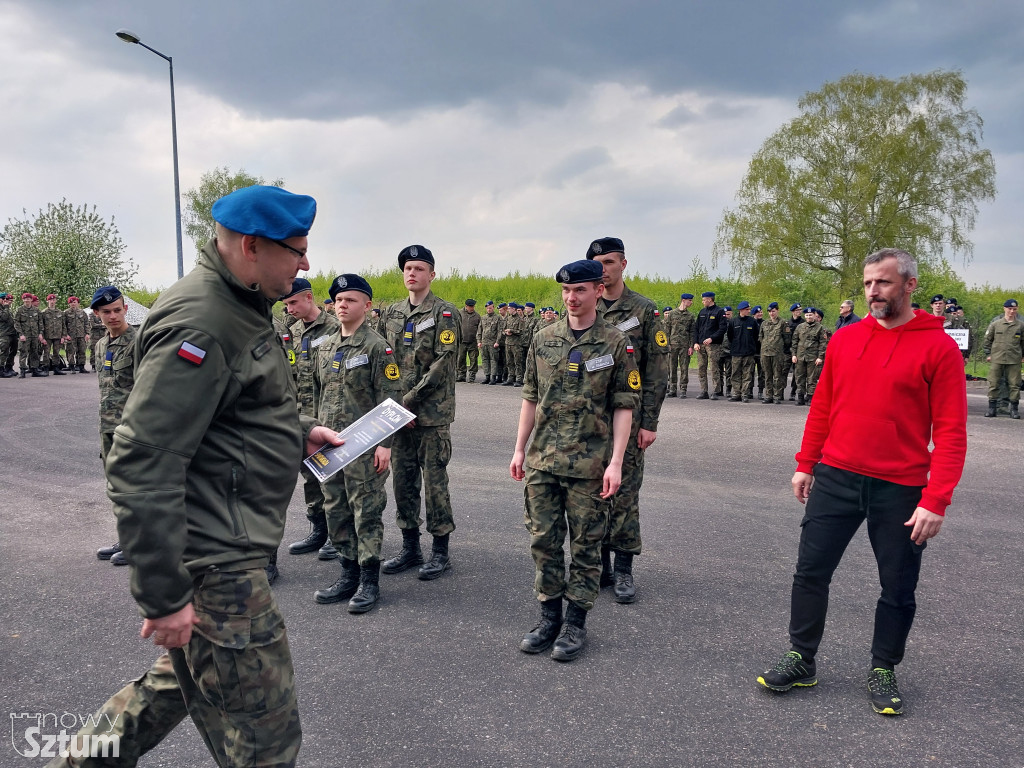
(37, 337)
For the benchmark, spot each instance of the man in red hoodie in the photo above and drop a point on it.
(891, 384)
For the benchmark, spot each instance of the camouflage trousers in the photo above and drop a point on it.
(51, 353)
(679, 367)
(8, 350)
(235, 679)
(997, 373)
(709, 356)
(759, 374)
(312, 494)
(75, 350)
(624, 517)
(805, 374)
(92, 350)
(355, 502)
(419, 457)
(743, 376)
(775, 367)
(517, 361)
(470, 351)
(556, 506)
(489, 357)
(28, 354)
(725, 371)
(502, 363)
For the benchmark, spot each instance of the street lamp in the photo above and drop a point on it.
(131, 37)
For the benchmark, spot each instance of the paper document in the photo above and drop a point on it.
(362, 435)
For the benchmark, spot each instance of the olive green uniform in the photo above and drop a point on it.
(1004, 343)
(76, 321)
(487, 337)
(116, 379)
(774, 361)
(809, 340)
(515, 355)
(679, 327)
(28, 323)
(96, 332)
(8, 338)
(470, 322)
(54, 333)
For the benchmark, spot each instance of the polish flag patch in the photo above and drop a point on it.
(388, 351)
(629, 349)
(192, 353)
(446, 313)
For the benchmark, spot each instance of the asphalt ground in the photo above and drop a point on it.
(433, 676)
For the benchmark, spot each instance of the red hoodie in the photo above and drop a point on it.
(882, 397)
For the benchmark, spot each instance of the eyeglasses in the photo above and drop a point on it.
(296, 251)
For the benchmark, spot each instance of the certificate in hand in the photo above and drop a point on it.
(362, 435)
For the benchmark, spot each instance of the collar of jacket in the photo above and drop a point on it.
(424, 308)
(210, 258)
(356, 339)
(565, 332)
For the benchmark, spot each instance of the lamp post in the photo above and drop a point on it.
(130, 37)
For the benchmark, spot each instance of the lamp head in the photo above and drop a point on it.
(128, 37)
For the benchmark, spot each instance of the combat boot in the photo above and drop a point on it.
(439, 561)
(368, 593)
(119, 559)
(624, 590)
(460, 379)
(106, 553)
(799, 399)
(573, 635)
(471, 378)
(38, 373)
(56, 369)
(409, 556)
(519, 383)
(509, 382)
(809, 397)
(314, 540)
(607, 579)
(344, 587)
(487, 380)
(9, 373)
(540, 638)
(991, 412)
(23, 373)
(81, 368)
(270, 568)
(1014, 414)
(327, 552)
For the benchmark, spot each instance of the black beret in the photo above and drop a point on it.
(108, 294)
(415, 253)
(580, 272)
(349, 282)
(605, 245)
(299, 285)
(470, 302)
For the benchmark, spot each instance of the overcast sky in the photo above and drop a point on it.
(502, 135)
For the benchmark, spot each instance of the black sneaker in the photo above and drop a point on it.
(885, 694)
(790, 670)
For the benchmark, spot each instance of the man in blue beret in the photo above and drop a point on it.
(796, 319)
(201, 471)
(487, 342)
(774, 358)
(1004, 351)
(581, 389)
(515, 354)
(708, 333)
(679, 327)
(468, 361)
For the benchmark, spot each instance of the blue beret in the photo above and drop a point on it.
(728, 308)
(743, 305)
(269, 212)
(951, 300)
(503, 304)
(580, 272)
(773, 305)
(415, 253)
(936, 297)
(489, 304)
(950, 309)
(686, 296)
(605, 245)
(708, 295)
(820, 313)
(108, 294)
(299, 285)
(1010, 303)
(667, 309)
(349, 282)
(531, 304)
(794, 307)
(756, 309)
(328, 301)
(470, 302)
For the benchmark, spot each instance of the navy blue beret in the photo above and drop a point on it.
(773, 305)
(531, 304)
(727, 308)
(415, 253)
(503, 304)
(299, 285)
(1010, 303)
(269, 212)
(470, 302)
(489, 304)
(950, 309)
(328, 301)
(742, 305)
(666, 310)
(820, 313)
(580, 272)
(708, 295)
(349, 282)
(108, 294)
(794, 307)
(686, 296)
(605, 245)
(936, 297)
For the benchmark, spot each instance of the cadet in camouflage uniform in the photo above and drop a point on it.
(808, 352)
(725, 361)
(1004, 350)
(515, 355)
(503, 363)
(76, 321)
(312, 327)
(116, 350)
(581, 390)
(773, 355)
(29, 326)
(355, 371)
(795, 321)
(470, 322)
(209, 446)
(531, 323)
(679, 327)
(8, 337)
(637, 317)
(487, 342)
(55, 334)
(812, 385)
(424, 333)
(96, 332)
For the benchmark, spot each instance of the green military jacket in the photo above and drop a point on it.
(425, 340)
(1004, 342)
(577, 386)
(638, 317)
(789, 331)
(305, 340)
(352, 375)
(207, 454)
(470, 322)
(502, 325)
(490, 326)
(679, 326)
(53, 323)
(76, 321)
(513, 330)
(773, 336)
(116, 376)
(530, 325)
(96, 329)
(809, 342)
(28, 322)
(6, 321)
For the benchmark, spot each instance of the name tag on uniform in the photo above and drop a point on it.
(600, 363)
(317, 342)
(354, 362)
(627, 325)
(428, 323)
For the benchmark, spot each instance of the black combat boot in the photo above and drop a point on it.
(327, 552)
(369, 590)
(344, 587)
(316, 538)
(57, 371)
(509, 382)
(607, 579)
(409, 556)
(119, 559)
(39, 373)
(23, 373)
(625, 592)
(439, 561)
(270, 568)
(81, 368)
(799, 399)
(991, 412)
(487, 380)
(809, 397)
(1014, 414)
(573, 635)
(540, 638)
(458, 379)
(108, 552)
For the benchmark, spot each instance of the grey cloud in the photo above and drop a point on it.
(576, 164)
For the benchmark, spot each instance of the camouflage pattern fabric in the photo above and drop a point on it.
(679, 327)
(709, 356)
(487, 336)
(355, 502)
(116, 376)
(419, 459)
(743, 376)
(775, 368)
(96, 332)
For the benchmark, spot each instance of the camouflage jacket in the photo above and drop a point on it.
(53, 323)
(352, 375)
(502, 325)
(679, 326)
(6, 321)
(772, 335)
(305, 340)
(530, 325)
(1004, 341)
(578, 386)
(116, 376)
(490, 326)
(638, 317)
(788, 331)
(28, 322)
(77, 323)
(513, 330)
(809, 342)
(425, 341)
(96, 329)
(470, 323)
